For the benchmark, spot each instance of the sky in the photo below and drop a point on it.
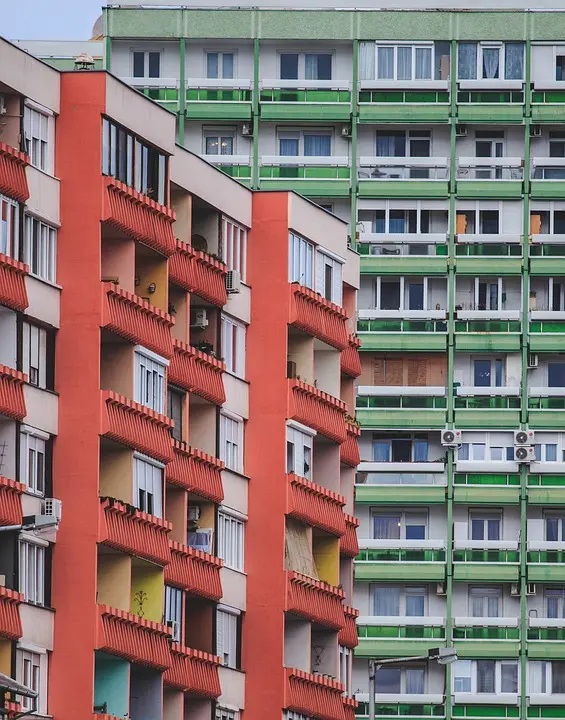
(48, 19)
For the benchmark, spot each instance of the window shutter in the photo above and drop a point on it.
(220, 634)
(535, 224)
(460, 224)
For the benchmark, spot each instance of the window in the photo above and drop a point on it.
(29, 674)
(32, 572)
(233, 346)
(556, 671)
(485, 601)
(490, 61)
(149, 383)
(554, 602)
(401, 221)
(404, 449)
(36, 134)
(146, 64)
(173, 611)
(225, 714)
(400, 143)
(401, 294)
(546, 452)
(329, 277)
(394, 600)
(560, 67)
(554, 527)
(227, 633)
(148, 485)
(556, 374)
(488, 372)
(475, 452)
(219, 65)
(302, 143)
(308, 66)
(9, 227)
(175, 399)
(344, 677)
(234, 246)
(231, 442)
(40, 242)
(298, 452)
(485, 676)
(33, 448)
(400, 525)
(396, 680)
(485, 526)
(37, 353)
(230, 540)
(300, 261)
(404, 62)
(134, 162)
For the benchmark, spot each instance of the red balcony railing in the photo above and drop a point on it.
(12, 402)
(315, 696)
(135, 426)
(194, 571)
(199, 273)
(315, 505)
(13, 180)
(350, 705)
(348, 634)
(133, 638)
(349, 450)
(313, 314)
(196, 471)
(193, 671)
(10, 501)
(10, 623)
(136, 320)
(350, 359)
(197, 372)
(348, 544)
(138, 216)
(13, 293)
(134, 532)
(314, 600)
(317, 410)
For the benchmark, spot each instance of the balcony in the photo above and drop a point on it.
(403, 177)
(348, 544)
(236, 166)
(547, 101)
(384, 637)
(476, 103)
(402, 483)
(10, 623)
(350, 706)
(401, 334)
(403, 253)
(313, 176)
(348, 634)
(314, 600)
(196, 471)
(199, 273)
(317, 410)
(135, 426)
(164, 91)
(138, 216)
(491, 178)
(315, 505)
(136, 320)
(197, 372)
(315, 696)
(195, 571)
(194, 672)
(12, 402)
(314, 315)
(349, 450)
(310, 100)
(13, 180)
(218, 99)
(487, 487)
(546, 558)
(401, 407)
(487, 335)
(486, 637)
(493, 407)
(546, 408)
(488, 255)
(379, 103)
(10, 501)
(548, 178)
(134, 532)
(546, 638)
(133, 638)
(490, 560)
(547, 335)
(403, 706)
(13, 293)
(547, 257)
(409, 560)
(546, 489)
(350, 360)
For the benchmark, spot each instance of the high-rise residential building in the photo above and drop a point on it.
(177, 443)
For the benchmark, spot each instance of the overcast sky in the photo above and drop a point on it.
(48, 19)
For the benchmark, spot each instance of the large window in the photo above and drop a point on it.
(482, 452)
(40, 248)
(402, 293)
(398, 600)
(133, 161)
(546, 452)
(149, 386)
(490, 61)
(405, 62)
(36, 134)
(302, 143)
(488, 372)
(399, 680)
(29, 673)
(400, 525)
(146, 64)
(298, 452)
(485, 526)
(9, 227)
(233, 346)
(554, 598)
(485, 601)
(395, 221)
(307, 66)
(148, 485)
(345, 657)
(33, 450)
(403, 143)
(220, 65)
(329, 277)
(234, 246)
(173, 611)
(219, 141)
(553, 677)
(32, 572)
(231, 442)
(227, 636)
(555, 527)
(37, 355)
(230, 540)
(411, 448)
(485, 676)
(300, 261)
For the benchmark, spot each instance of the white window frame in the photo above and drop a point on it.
(326, 258)
(484, 592)
(470, 673)
(33, 676)
(31, 569)
(302, 62)
(150, 383)
(219, 133)
(142, 465)
(345, 667)
(220, 54)
(300, 260)
(46, 254)
(546, 677)
(234, 246)
(231, 538)
(376, 511)
(38, 136)
(231, 441)
(146, 52)
(403, 286)
(485, 516)
(10, 227)
(31, 474)
(555, 514)
(414, 46)
(34, 354)
(299, 134)
(227, 620)
(543, 454)
(405, 591)
(501, 46)
(301, 439)
(224, 713)
(173, 604)
(233, 345)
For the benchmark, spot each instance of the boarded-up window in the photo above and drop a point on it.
(535, 224)
(412, 371)
(298, 549)
(461, 224)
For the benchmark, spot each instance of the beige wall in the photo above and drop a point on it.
(44, 301)
(44, 193)
(237, 395)
(233, 688)
(116, 368)
(351, 269)
(116, 473)
(239, 305)
(233, 586)
(42, 409)
(37, 625)
(310, 221)
(114, 580)
(29, 76)
(235, 491)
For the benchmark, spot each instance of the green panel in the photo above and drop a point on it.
(547, 342)
(218, 111)
(384, 25)
(403, 264)
(548, 113)
(304, 25)
(403, 189)
(547, 265)
(385, 571)
(500, 572)
(487, 418)
(403, 342)
(494, 494)
(156, 23)
(546, 419)
(490, 113)
(552, 189)
(546, 495)
(339, 112)
(497, 712)
(485, 649)
(310, 188)
(489, 189)
(546, 650)
(230, 24)
(400, 418)
(546, 572)
(504, 342)
(372, 647)
(403, 113)
(399, 494)
(488, 265)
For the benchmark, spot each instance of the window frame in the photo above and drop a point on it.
(345, 675)
(146, 64)
(475, 592)
(404, 592)
(173, 604)
(45, 138)
(230, 536)
(228, 621)
(219, 133)
(220, 54)
(404, 300)
(231, 449)
(395, 46)
(324, 259)
(412, 438)
(39, 444)
(403, 523)
(485, 517)
(43, 347)
(11, 237)
(150, 375)
(301, 70)
(300, 134)
(157, 502)
(32, 565)
(45, 267)
(301, 260)
(34, 680)
(234, 352)
(481, 46)
(472, 676)
(234, 246)
(301, 439)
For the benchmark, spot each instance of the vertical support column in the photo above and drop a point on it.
(354, 121)
(107, 41)
(182, 91)
(255, 110)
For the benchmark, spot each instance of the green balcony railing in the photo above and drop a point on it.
(305, 96)
(485, 402)
(304, 172)
(405, 402)
(502, 98)
(219, 95)
(474, 632)
(486, 556)
(403, 96)
(436, 250)
(545, 250)
(401, 632)
(547, 326)
(546, 480)
(549, 557)
(502, 479)
(236, 171)
(408, 555)
(546, 403)
(400, 325)
(551, 712)
(482, 326)
(548, 96)
(488, 250)
(548, 634)
(401, 710)
(479, 712)
(161, 94)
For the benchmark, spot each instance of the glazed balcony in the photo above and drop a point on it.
(10, 501)
(349, 450)
(350, 360)
(386, 636)
(133, 638)
(348, 544)
(479, 177)
(195, 571)
(199, 273)
(10, 622)
(314, 600)
(13, 180)
(315, 505)
(135, 426)
(315, 696)
(193, 671)
(138, 216)
(317, 410)
(401, 560)
(348, 634)
(486, 637)
(314, 315)
(134, 532)
(196, 471)
(13, 293)
(12, 401)
(197, 372)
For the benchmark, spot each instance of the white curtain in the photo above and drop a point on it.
(514, 61)
(385, 63)
(386, 601)
(423, 63)
(317, 145)
(415, 681)
(366, 61)
(311, 67)
(491, 63)
(404, 63)
(386, 527)
(467, 61)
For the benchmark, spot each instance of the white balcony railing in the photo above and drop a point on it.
(490, 168)
(543, 622)
(486, 622)
(486, 466)
(305, 160)
(535, 391)
(546, 699)
(395, 474)
(459, 544)
(472, 390)
(401, 620)
(396, 544)
(476, 314)
(227, 159)
(404, 390)
(380, 84)
(401, 467)
(464, 698)
(403, 698)
(495, 239)
(149, 82)
(545, 314)
(558, 239)
(548, 168)
(405, 313)
(403, 168)
(218, 84)
(300, 84)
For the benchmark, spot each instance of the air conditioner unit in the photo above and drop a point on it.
(52, 506)
(291, 369)
(524, 454)
(451, 438)
(535, 131)
(175, 630)
(515, 590)
(533, 360)
(2, 581)
(346, 131)
(247, 129)
(461, 130)
(200, 319)
(440, 589)
(531, 589)
(233, 282)
(524, 437)
(3, 108)
(193, 513)
(201, 539)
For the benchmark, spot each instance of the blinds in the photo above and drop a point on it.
(298, 550)
(226, 637)
(230, 541)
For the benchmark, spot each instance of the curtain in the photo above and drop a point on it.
(311, 67)
(379, 224)
(552, 529)
(386, 527)
(415, 681)
(423, 63)
(509, 678)
(386, 145)
(381, 451)
(404, 63)
(420, 451)
(491, 63)
(288, 147)
(386, 602)
(467, 61)
(227, 66)
(551, 453)
(366, 61)
(385, 58)
(493, 529)
(317, 145)
(558, 677)
(514, 61)
(415, 605)
(485, 676)
(396, 221)
(212, 65)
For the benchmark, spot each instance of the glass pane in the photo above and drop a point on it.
(491, 61)
(423, 63)
(289, 66)
(404, 63)
(387, 680)
(385, 63)
(212, 65)
(139, 64)
(154, 64)
(227, 65)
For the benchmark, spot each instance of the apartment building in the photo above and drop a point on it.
(177, 374)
